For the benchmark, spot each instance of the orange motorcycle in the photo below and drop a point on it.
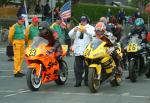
(43, 67)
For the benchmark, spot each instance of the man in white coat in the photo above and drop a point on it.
(82, 35)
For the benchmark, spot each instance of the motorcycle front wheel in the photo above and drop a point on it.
(93, 82)
(132, 71)
(33, 82)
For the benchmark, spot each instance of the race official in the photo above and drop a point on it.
(82, 35)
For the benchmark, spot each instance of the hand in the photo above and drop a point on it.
(83, 31)
(59, 57)
(76, 29)
(110, 50)
(48, 52)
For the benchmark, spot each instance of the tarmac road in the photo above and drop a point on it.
(15, 90)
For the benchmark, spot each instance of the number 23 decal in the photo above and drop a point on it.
(32, 52)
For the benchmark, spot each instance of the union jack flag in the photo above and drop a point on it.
(65, 10)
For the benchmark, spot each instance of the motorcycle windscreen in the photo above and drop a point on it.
(96, 43)
(38, 41)
(134, 44)
(135, 39)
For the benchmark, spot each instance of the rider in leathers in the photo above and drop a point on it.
(139, 29)
(52, 38)
(102, 34)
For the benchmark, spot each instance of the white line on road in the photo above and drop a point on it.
(100, 94)
(6, 70)
(126, 94)
(13, 94)
(6, 76)
(10, 91)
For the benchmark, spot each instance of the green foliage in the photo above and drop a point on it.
(2, 2)
(95, 11)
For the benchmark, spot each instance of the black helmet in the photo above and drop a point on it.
(84, 18)
(43, 25)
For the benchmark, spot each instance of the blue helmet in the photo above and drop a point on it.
(139, 22)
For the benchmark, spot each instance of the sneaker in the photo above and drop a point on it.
(10, 59)
(86, 83)
(22, 74)
(127, 77)
(77, 85)
(18, 75)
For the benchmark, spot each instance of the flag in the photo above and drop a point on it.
(65, 10)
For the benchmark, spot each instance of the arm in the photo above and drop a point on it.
(90, 31)
(72, 33)
(11, 34)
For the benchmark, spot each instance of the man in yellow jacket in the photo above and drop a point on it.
(17, 39)
(32, 30)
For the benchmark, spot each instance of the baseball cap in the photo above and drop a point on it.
(21, 18)
(35, 19)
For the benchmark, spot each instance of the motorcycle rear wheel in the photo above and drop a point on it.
(33, 82)
(93, 82)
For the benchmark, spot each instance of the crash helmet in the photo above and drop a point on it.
(100, 26)
(139, 22)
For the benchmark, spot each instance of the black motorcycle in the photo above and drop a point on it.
(138, 58)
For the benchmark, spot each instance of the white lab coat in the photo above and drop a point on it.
(80, 44)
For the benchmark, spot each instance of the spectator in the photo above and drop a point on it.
(82, 35)
(121, 16)
(38, 8)
(56, 12)
(32, 30)
(17, 39)
(9, 49)
(116, 28)
(47, 12)
(137, 14)
(108, 14)
(66, 28)
(56, 26)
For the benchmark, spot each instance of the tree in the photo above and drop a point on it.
(75, 1)
(4, 2)
(140, 4)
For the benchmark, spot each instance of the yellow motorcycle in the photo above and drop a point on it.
(101, 65)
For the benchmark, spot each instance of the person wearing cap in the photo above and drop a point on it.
(56, 26)
(17, 38)
(82, 35)
(32, 30)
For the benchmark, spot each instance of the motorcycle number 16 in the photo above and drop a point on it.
(132, 48)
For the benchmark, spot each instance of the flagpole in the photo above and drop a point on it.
(26, 15)
(71, 9)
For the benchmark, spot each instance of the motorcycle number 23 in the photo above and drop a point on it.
(132, 47)
(31, 52)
